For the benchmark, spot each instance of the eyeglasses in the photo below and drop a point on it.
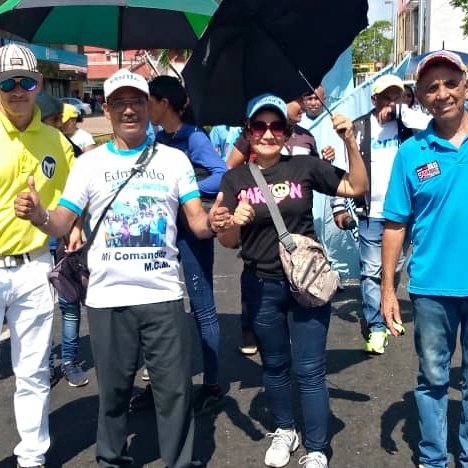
(26, 83)
(258, 128)
(137, 104)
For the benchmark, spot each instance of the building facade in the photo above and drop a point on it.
(427, 25)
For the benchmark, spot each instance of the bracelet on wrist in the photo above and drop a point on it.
(45, 222)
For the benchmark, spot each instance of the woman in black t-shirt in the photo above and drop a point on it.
(289, 335)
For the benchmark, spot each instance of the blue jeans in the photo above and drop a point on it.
(436, 322)
(370, 251)
(291, 338)
(197, 257)
(71, 316)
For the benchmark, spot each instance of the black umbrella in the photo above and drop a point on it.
(256, 46)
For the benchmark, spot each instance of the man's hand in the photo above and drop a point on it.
(28, 205)
(244, 213)
(76, 239)
(328, 153)
(219, 217)
(339, 219)
(386, 114)
(391, 311)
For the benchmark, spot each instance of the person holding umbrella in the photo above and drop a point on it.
(300, 141)
(289, 335)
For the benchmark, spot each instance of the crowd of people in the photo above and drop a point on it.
(404, 182)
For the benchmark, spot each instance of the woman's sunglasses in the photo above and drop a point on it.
(26, 83)
(258, 128)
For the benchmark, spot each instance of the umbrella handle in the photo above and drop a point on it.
(313, 91)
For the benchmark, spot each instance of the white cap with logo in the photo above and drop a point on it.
(17, 60)
(124, 78)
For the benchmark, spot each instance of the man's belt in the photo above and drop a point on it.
(14, 261)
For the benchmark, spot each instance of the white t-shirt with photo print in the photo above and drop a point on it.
(129, 270)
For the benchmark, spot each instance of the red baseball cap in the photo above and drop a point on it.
(438, 57)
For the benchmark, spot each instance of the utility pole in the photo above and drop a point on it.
(421, 16)
(394, 28)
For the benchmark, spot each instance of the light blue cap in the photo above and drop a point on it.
(266, 100)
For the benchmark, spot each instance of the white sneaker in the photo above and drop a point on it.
(144, 375)
(314, 460)
(284, 442)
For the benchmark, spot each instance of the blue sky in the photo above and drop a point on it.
(379, 10)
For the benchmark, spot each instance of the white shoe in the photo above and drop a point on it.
(284, 442)
(314, 460)
(145, 376)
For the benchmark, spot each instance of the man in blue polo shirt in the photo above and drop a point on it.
(427, 196)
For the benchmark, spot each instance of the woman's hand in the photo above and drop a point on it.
(343, 126)
(244, 213)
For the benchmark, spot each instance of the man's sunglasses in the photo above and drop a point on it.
(258, 128)
(26, 83)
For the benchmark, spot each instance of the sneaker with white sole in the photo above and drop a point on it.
(376, 342)
(314, 460)
(144, 375)
(74, 374)
(285, 442)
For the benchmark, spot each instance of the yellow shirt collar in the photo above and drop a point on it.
(32, 127)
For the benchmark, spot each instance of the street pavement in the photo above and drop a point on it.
(373, 419)
(96, 125)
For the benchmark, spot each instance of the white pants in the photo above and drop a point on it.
(27, 301)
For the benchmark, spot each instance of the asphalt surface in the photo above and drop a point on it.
(373, 422)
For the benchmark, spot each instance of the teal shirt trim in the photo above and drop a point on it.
(128, 152)
(189, 196)
(71, 206)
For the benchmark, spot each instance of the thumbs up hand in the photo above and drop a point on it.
(219, 216)
(244, 213)
(28, 205)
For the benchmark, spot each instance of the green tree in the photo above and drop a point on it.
(373, 44)
(463, 5)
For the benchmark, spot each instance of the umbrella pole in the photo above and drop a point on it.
(313, 91)
(119, 35)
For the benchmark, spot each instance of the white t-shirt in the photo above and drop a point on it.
(82, 138)
(384, 146)
(131, 269)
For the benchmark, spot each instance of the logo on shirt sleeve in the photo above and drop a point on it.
(428, 171)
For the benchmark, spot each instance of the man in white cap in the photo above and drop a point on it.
(426, 199)
(379, 134)
(29, 148)
(134, 296)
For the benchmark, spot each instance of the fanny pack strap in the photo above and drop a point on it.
(283, 234)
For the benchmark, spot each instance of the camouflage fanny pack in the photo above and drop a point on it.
(313, 282)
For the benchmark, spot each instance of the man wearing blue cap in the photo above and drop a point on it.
(426, 191)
